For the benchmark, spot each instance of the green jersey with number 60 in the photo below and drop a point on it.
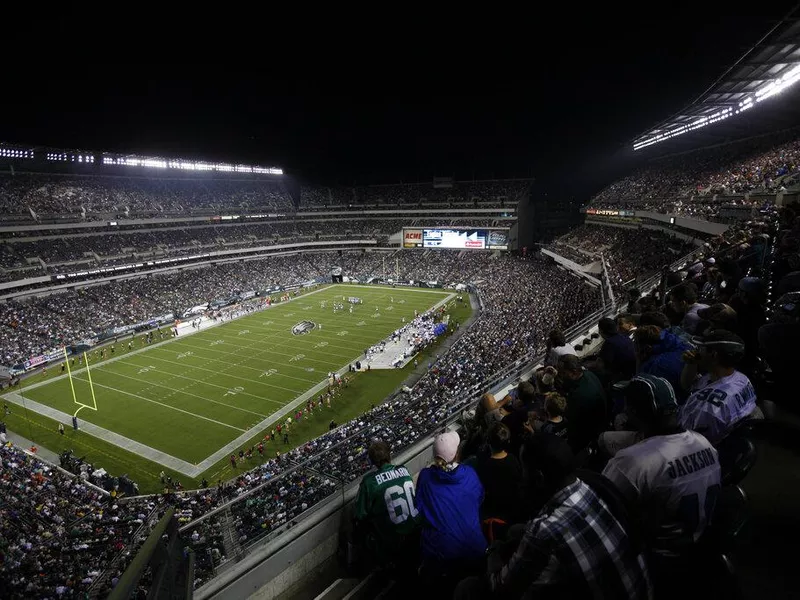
(386, 500)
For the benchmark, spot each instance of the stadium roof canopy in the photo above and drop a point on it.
(760, 93)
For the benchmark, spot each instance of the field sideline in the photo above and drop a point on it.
(191, 396)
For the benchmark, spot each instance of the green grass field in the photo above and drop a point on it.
(191, 396)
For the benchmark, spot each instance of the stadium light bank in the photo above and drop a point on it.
(18, 153)
(771, 88)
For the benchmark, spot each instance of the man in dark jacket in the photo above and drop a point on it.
(659, 353)
(616, 358)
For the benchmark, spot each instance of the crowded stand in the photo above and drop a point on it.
(687, 183)
(51, 194)
(58, 534)
(572, 401)
(626, 253)
(484, 194)
(60, 252)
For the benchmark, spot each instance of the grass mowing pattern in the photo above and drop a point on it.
(194, 394)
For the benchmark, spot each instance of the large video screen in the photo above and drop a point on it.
(456, 239)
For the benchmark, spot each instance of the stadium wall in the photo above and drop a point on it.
(286, 563)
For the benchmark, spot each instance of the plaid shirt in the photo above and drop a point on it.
(574, 548)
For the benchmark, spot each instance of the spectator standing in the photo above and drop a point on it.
(386, 513)
(449, 496)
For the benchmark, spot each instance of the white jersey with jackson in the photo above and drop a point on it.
(714, 407)
(674, 478)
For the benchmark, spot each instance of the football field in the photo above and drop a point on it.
(189, 397)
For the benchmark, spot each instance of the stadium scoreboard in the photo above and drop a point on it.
(456, 239)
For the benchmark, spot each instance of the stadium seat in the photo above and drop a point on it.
(737, 455)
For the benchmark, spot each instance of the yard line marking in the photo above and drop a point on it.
(325, 362)
(181, 391)
(108, 387)
(188, 366)
(263, 351)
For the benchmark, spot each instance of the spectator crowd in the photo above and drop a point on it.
(686, 183)
(60, 536)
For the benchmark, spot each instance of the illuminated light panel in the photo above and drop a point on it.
(187, 165)
(11, 152)
(769, 89)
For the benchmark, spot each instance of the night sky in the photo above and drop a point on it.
(553, 105)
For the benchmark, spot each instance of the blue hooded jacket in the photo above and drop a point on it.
(665, 360)
(449, 503)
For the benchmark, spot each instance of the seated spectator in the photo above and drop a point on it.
(660, 353)
(500, 474)
(574, 547)
(586, 403)
(667, 465)
(716, 316)
(386, 512)
(660, 320)
(545, 380)
(627, 323)
(449, 496)
(556, 348)
(633, 306)
(494, 410)
(683, 300)
(555, 406)
(617, 357)
(723, 396)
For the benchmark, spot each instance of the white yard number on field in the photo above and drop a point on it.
(146, 369)
(310, 369)
(320, 345)
(307, 308)
(342, 333)
(400, 502)
(269, 373)
(217, 342)
(401, 301)
(234, 391)
(297, 357)
(268, 323)
(185, 354)
(376, 315)
(389, 308)
(244, 332)
(361, 323)
(289, 314)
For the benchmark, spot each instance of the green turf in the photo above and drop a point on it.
(192, 395)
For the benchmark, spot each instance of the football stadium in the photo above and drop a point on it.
(245, 379)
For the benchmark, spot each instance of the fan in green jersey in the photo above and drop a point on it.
(386, 513)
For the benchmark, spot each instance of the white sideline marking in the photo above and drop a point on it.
(186, 412)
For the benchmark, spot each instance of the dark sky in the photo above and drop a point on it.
(552, 101)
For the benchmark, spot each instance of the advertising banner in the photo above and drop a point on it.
(412, 238)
